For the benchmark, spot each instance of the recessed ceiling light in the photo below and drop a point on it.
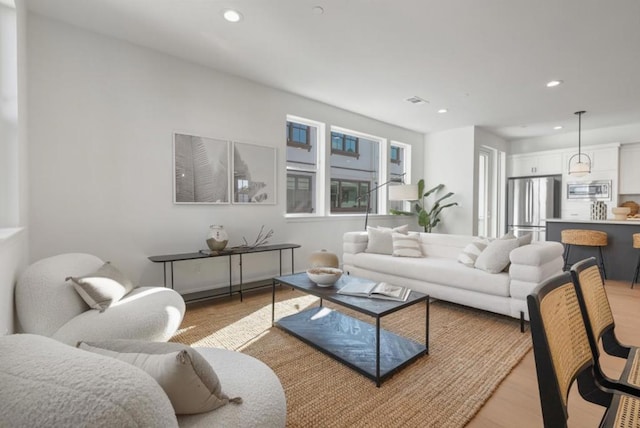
(317, 10)
(554, 83)
(443, 110)
(557, 127)
(232, 15)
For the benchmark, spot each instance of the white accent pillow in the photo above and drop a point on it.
(380, 240)
(185, 376)
(103, 287)
(525, 239)
(495, 257)
(470, 253)
(406, 245)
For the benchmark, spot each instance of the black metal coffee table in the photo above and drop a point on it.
(370, 350)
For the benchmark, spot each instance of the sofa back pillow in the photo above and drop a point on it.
(495, 258)
(380, 239)
(406, 245)
(470, 253)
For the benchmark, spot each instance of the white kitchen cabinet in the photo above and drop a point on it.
(630, 169)
(602, 159)
(539, 163)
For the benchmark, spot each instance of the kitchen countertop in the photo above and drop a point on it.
(575, 220)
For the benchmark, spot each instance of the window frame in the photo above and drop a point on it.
(318, 202)
(343, 151)
(294, 143)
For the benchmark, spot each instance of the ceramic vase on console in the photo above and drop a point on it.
(323, 258)
(217, 238)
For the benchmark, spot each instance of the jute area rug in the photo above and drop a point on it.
(470, 353)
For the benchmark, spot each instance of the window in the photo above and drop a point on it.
(299, 135)
(303, 166)
(352, 179)
(339, 173)
(399, 171)
(396, 155)
(299, 193)
(349, 195)
(345, 145)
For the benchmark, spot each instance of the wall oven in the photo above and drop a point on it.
(589, 190)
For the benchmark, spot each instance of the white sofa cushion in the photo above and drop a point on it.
(537, 253)
(438, 270)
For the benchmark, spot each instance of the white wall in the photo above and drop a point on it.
(616, 134)
(102, 113)
(13, 171)
(450, 158)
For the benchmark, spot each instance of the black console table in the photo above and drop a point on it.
(236, 251)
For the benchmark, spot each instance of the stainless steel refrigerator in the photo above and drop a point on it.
(531, 200)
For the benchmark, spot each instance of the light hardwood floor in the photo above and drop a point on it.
(516, 401)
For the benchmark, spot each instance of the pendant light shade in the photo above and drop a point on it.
(580, 163)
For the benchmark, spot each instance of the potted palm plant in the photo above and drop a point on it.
(428, 218)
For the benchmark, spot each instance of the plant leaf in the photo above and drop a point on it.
(398, 212)
(420, 186)
(435, 189)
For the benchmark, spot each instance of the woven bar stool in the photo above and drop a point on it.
(584, 238)
(636, 244)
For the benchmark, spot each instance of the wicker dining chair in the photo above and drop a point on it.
(600, 324)
(563, 355)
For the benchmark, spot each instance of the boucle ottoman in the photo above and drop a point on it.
(47, 383)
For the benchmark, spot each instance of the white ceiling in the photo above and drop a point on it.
(487, 61)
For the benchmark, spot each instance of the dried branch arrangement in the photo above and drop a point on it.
(261, 239)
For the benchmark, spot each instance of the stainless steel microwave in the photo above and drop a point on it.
(589, 190)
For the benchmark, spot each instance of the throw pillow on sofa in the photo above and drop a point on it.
(102, 288)
(470, 253)
(186, 377)
(380, 239)
(495, 258)
(406, 245)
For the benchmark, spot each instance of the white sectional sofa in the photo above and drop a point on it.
(441, 276)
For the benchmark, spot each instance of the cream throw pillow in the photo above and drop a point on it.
(380, 239)
(103, 287)
(406, 245)
(470, 253)
(186, 377)
(495, 257)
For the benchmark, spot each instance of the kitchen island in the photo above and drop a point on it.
(619, 255)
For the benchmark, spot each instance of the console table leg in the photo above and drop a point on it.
(378, 352)
(164, 273)
(273, 302)
(230, 278)
(241, 277)
(426, 334)
(172, 275)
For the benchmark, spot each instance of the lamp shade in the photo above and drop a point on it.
(403, 192)
(579, 169)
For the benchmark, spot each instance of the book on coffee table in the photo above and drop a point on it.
(381, 290)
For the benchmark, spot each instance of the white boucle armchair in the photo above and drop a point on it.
(48, 305)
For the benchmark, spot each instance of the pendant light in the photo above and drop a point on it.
(582, 165)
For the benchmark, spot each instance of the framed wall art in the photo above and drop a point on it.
(201, 170)
(254, 174)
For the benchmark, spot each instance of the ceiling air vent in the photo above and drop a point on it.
(416, 100)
